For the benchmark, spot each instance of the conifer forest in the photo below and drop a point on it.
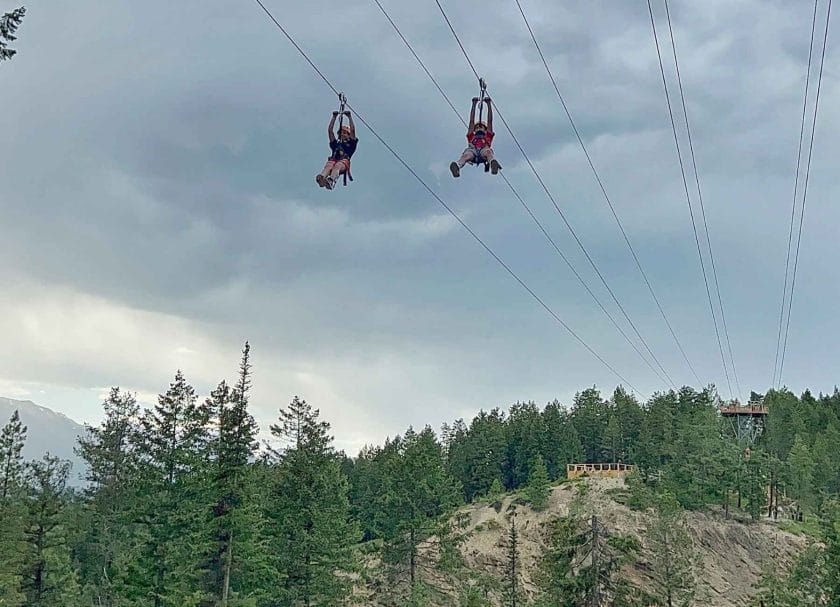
(183, 506)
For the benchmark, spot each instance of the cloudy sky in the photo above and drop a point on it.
(159, 205)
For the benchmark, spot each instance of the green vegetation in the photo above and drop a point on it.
(182, 509)
(9, 23)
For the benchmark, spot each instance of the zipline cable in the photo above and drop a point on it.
(700, 198)
(795, 192)
(805, 189)
(556, 206)
(434, 194)
(528, 210)
(688, 199)
(606, 196)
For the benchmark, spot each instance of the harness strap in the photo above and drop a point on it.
(342, 100)
(483, 86)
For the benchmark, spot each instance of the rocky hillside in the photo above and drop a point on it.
(730, 553)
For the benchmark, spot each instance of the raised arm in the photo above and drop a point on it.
(330, 128)
(472, 115)
(489, 114)
(351, 125)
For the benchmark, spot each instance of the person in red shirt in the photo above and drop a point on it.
(479, 140)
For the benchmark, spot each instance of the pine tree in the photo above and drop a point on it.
(561, 443)
(672, 559)
(754, 483)
(538, 489)
(171, 490)
(512, 566)
(496, 490)
(12, 505)
(416, 496)
(831, 537)
(12, 439)
(109, 451)
(9, 23)
(556, 576)
(238, 553)
(310, 513)
(800, 472)
(49, 578)
(525, 440)
(590, 415)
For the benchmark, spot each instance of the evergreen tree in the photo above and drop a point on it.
(656, 439)
(49, 578)
(561, 443)
(539, 488)
(831, 537)
(512, 566)
(9, 24)
(672, 559)
(12, 505)
(111, 461)
(12, 439)
(172, 489)
(799, 479)
(238, 554)
(416, 497)
(485, 448)
(496, 490)
(556, 577)
(310, 513)
(590, 415)
(525, 440)
(755, 483)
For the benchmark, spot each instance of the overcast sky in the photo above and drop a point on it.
(159, 204)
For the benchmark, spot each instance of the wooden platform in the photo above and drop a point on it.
(599, 470)
(746, 410)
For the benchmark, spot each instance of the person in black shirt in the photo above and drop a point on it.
(342, 148)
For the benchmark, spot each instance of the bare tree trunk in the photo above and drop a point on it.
(228, 564)
(413, 559)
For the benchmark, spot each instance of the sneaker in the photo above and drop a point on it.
(329, 183)
(456, 170)
(321, 180)
(495, 166)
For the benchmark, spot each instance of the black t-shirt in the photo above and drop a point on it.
(343, 149)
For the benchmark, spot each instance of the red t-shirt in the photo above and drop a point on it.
(486, 140)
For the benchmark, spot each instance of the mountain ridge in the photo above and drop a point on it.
(48, 431)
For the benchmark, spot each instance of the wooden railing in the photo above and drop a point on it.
(599, 470)
(745, 410)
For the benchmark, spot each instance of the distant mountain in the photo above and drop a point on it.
(47, 431)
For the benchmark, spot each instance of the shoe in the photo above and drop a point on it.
(321, 180)
(456, 170)
(329, 183)
(495, 166)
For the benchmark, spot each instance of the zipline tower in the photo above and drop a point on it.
(747, 420)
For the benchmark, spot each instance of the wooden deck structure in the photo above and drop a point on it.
(599, 470)
(751, 410)
(747, 420)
